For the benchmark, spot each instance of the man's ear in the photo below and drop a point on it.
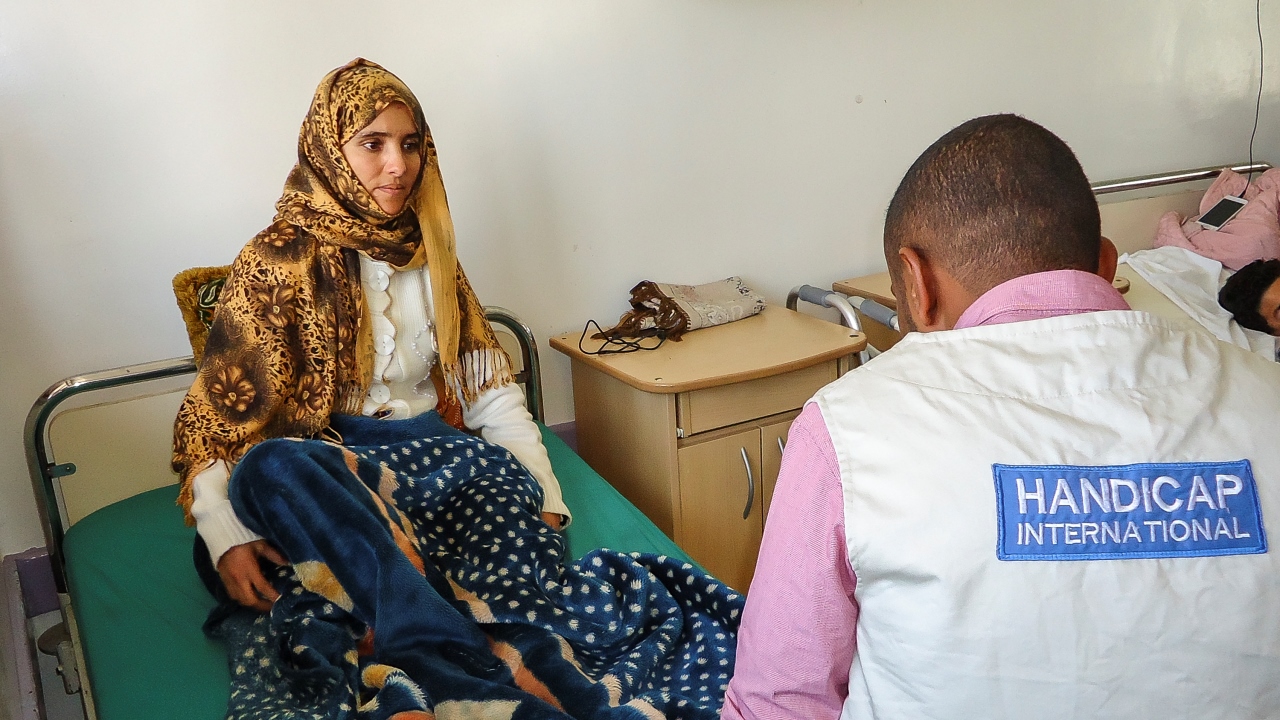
(1107, 257)
(920, 291)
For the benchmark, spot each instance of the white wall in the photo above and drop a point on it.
(586, 145)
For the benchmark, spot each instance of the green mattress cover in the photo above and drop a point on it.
(140, 605)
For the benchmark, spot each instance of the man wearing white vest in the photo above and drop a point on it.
(1040, 503)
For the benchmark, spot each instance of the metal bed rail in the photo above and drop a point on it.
(1144, 182)
(531, 373)
(35, 437)
(44, 472)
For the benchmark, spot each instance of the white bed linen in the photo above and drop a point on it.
(1191, 282)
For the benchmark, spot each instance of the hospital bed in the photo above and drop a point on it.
(1130, 209)
(98, 449)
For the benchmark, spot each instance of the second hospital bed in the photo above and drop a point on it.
(98, 448)
(1130, 210)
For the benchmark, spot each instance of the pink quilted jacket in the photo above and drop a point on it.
(1253, 234)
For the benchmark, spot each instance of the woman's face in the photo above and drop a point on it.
(1269, 307)
(386, 156)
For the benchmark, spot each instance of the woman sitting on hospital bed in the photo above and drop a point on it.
(351, 303)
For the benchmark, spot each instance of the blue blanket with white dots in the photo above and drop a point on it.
(422, 583)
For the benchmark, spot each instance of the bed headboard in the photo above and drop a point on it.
(94, 439)
(1131, 207)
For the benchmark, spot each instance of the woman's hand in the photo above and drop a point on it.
(555, 520)
(240, 573)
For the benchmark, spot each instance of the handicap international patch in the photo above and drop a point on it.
(1117, 512)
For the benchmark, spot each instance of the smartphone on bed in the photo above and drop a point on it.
(1219, 214)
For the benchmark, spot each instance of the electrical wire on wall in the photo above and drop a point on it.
(1257, 108)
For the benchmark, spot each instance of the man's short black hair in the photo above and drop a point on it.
(996, 198)
(1242, 293)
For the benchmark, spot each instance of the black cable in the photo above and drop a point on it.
(618, 346)
(1257, 108)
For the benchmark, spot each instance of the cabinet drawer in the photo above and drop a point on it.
(701, 410)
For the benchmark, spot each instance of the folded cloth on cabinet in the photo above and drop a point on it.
(672, 310)
(1253, 234)
(424, 584)
(1191, 281)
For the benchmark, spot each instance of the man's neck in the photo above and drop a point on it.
(1042, 295)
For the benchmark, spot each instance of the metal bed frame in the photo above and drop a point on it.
(45, 473)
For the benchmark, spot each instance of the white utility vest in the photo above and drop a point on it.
(948, 630)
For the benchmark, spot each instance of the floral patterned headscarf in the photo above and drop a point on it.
(290, 342)
(323, 195)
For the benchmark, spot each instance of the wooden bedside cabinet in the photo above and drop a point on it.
(692, 433)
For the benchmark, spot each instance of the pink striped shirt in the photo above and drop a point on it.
(797, 639)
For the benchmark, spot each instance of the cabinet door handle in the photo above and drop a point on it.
(751, 484)
(782, 447)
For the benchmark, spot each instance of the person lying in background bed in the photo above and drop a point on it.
(1252, 296)
(1252, 234)
(1039, 503)
(420, 569)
